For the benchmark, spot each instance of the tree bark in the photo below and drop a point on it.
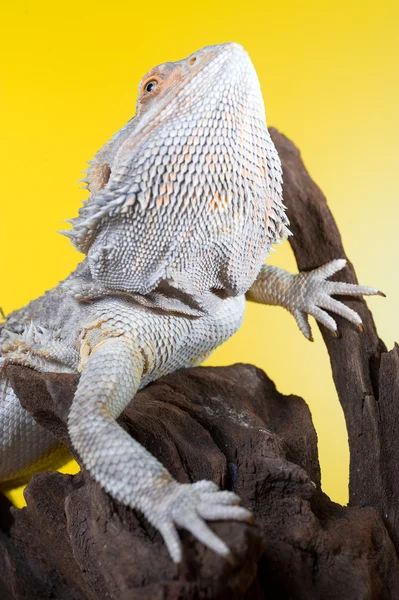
(365, 374)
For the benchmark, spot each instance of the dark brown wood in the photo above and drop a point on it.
(365, 374)
(231, 425)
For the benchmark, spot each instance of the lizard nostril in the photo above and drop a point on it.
(192, 60)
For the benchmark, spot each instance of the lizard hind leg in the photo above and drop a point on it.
(25, 446)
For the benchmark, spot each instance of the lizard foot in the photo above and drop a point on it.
(187, 506)
(313, 293)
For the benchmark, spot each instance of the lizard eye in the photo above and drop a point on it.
(151, 85)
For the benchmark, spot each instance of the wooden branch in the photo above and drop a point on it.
(226, 424)
(365, 374)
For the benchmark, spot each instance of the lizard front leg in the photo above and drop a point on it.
(124, 468)
(308, 293)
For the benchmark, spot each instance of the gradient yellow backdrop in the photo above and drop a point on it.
(329, 75)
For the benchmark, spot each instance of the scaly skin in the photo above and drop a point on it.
(186, 201)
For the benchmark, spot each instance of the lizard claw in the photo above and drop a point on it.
(188, 506)
(314, 297)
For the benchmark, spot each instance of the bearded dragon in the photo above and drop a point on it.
(185, 204)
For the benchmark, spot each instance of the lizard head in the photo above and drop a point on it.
(190, 188)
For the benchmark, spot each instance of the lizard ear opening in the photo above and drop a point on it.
(98, 177)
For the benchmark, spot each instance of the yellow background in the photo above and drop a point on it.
(329, 75)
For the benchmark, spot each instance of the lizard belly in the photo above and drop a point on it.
(187, 342)
(167, 341)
